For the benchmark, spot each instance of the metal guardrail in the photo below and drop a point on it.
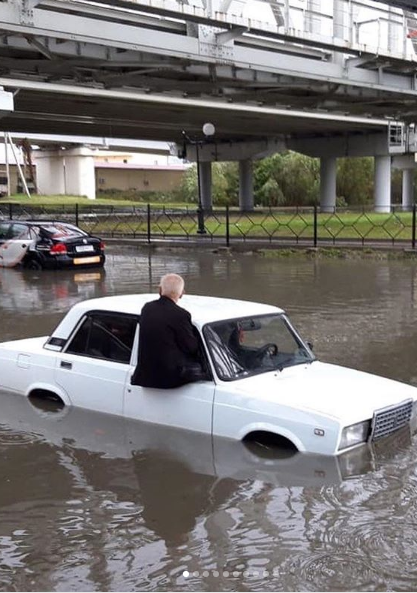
(301, 226)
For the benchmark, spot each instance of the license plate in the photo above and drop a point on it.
(87, 277)
(87, 260)
(84, 248)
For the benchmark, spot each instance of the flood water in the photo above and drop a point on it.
(94, 502)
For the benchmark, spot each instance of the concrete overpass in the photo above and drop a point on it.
(314, 79)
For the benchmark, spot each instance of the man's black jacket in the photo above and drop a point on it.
(166, 344)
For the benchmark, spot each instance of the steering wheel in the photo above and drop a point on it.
(268, 350)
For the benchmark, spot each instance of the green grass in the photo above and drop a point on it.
(54, 201)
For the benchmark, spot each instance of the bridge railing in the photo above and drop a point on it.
(274, 226)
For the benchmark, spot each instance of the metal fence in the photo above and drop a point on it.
(285, 226)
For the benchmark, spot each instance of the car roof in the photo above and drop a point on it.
(203, 309)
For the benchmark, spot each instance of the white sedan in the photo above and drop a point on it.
(261, 379)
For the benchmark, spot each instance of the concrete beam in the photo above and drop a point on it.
(100, 143)
(403, 161)
(342, 146)
(234, 151)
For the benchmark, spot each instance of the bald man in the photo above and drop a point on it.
(167, 342)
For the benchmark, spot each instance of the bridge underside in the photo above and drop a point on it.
(121, 117)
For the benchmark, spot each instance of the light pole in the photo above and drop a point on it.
(208, 131)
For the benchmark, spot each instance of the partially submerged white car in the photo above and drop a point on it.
(261, 380)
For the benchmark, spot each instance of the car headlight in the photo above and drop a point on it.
(355, 434)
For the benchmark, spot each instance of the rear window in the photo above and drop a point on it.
(57, 231)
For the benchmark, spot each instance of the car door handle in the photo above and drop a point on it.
(66, 365)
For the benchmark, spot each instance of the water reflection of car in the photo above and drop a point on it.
(48, 245)
(118, 438)
(24, 291)
(261, 380)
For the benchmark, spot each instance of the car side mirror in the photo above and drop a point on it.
(310, 345)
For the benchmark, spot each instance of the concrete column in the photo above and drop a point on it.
(382, 184)
(327, 184)
(66, 172)
(246, 185)
(205, 184)
(408, 189)
(79, 172)
(50, 172)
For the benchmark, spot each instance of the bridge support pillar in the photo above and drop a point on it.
(66, 172)
(204, 171)
(327, 184)
(246, 202)
(50, 172)
(408, 189)
(382, 184)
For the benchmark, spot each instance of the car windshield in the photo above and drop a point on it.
(253, 345)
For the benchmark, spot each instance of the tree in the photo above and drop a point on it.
(288, 178)
(225, 184)
(355, 179)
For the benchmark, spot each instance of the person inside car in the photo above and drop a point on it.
(168, 346)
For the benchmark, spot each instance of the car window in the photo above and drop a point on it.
(4, 231)
(58, 230)
(19, 231)
(106, 336)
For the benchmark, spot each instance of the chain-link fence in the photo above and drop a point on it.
(302, 226)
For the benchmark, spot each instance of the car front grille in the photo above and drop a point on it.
(388, 420)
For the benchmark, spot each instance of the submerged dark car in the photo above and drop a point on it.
(48, 244)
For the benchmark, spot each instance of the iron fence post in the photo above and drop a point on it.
(148, 209)
(315, 226)
(227, 226)
(76, 215)
(10, 211)
(413, 240)
(201, 230)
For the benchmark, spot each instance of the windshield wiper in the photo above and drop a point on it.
(284, 364)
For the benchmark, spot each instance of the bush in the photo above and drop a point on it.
(133, 195)
(287, 179)
(355, 180)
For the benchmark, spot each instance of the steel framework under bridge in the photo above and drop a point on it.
(150, 69)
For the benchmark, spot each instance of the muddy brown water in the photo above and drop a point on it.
(93, 502)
